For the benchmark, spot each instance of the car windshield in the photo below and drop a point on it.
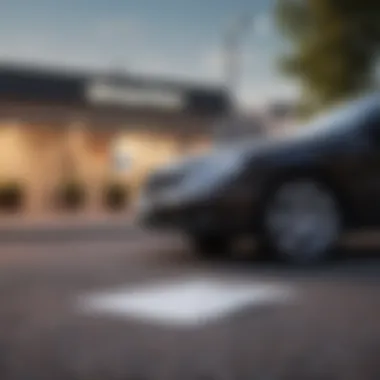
(341, 119)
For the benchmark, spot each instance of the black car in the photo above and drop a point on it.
(297, 193)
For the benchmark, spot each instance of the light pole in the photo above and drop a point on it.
(232, 45)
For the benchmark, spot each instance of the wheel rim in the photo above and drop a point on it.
(302, 221)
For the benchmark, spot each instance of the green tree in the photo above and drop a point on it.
(334, 47)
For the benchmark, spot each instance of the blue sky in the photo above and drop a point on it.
(174, 38)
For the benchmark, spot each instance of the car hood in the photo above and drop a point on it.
(331, 132)
(221, 153)
(294, 146)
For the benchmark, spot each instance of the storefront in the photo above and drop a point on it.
(92, 128)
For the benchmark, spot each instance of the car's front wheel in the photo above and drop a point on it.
(302, 221)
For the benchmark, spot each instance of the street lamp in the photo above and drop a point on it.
(232, 41)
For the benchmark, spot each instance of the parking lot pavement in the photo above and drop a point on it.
(55, 229)
(316, 324)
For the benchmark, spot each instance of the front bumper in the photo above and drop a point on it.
(221, 213)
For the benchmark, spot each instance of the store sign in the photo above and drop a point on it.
(104, 93)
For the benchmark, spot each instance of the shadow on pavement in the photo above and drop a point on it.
(357, 263)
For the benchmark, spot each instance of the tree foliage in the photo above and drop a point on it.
(334, 46)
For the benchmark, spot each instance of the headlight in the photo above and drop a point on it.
(197, 176)
(225, 163)
(215, 170)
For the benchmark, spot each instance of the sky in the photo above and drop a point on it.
(179, 39)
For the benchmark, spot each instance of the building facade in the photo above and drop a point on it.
(58, 126)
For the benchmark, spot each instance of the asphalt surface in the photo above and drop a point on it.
(331, 330)
(81, 230)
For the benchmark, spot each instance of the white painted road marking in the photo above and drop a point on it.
(188, 302)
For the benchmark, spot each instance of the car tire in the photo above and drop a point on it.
(210, 246)
(301, 222)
